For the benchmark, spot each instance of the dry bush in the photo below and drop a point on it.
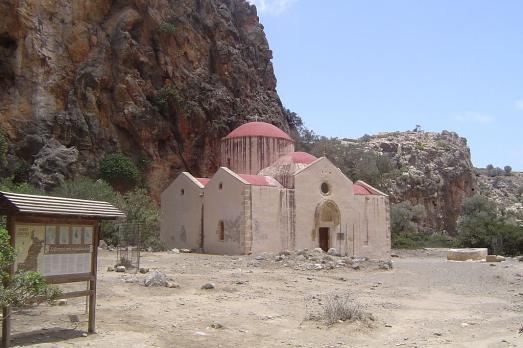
(335, 308)
(341, 308)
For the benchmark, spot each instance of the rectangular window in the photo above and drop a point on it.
(222, 231)
(340, 236)
(366, 240)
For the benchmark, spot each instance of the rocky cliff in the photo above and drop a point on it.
(161, 81)
(506, 190)
(431, 169)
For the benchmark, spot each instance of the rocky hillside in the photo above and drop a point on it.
(161, 81)
(432, 169)
(505, 190)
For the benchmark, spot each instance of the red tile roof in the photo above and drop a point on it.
(203, 181)
(258, 129)
(302, 157)
(258, 180)
(360, 189)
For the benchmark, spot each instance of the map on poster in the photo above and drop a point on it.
(53, 249)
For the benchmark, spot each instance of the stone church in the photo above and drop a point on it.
(267, 197)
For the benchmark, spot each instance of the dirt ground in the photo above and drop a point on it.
(424, 301)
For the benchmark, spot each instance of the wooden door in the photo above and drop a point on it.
(324, 238)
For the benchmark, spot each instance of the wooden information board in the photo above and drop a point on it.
(53, 249)
(57, 237)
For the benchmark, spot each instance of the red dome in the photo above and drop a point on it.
(302, 157)
(258, 129)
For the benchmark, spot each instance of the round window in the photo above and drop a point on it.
(325, 188)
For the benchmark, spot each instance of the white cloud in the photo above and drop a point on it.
(519, 104)
(474, 117)
(274, 7)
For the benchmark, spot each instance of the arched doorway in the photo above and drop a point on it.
(327, 220)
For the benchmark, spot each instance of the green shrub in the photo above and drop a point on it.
(86, 188)
(419, 241)
(137, 205)
(165, 93)
(22, 172)
(140, 209)
(10, 185)
(166, 27)
(404, 218)
(480, 226)
(118, 170)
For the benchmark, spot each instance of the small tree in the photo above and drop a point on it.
(480, 226)
(23, 288)
(405, 217)
(118, 170)
(86, 188)
(139, 208)
(9, 184)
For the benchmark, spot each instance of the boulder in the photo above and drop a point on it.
(185, 251)
(172, 285)
(120, 269)
(300, 258)
(474, 254)
(332, 252)
(494, 258)
(155, 278)
(175, 251)
(208, 286)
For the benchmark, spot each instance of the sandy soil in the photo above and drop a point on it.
(425, 301)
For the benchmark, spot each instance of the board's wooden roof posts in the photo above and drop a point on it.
(22, 204)
(63, 235)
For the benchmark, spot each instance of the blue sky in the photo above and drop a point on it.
(350, 68)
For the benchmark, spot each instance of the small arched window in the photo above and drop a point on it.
(221, 231)
(182, 192)
(220, 186)
(325, 188)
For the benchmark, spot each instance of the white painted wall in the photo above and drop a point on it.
(228, 205)
(308, 197)
(372, 229)
(181, 219)
(270, 230)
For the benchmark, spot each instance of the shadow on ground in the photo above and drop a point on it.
(50, 335)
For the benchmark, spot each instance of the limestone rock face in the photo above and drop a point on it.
(434, 170)
(161, 81)
(505, 190)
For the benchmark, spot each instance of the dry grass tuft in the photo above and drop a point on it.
(335, 308)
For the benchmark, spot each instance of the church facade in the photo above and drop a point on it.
(267, 197)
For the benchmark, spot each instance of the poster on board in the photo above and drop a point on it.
(53, 249)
